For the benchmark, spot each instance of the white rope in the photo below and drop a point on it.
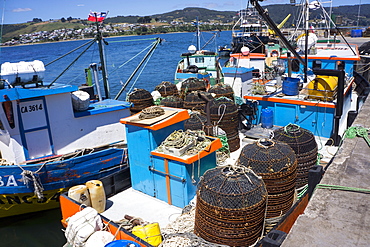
(28, 177)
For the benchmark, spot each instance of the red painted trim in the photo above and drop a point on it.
(290, 101)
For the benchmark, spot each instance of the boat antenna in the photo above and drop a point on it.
(100, 40)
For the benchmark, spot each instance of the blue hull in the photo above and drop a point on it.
(55, 177)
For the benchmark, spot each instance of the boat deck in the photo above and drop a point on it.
(137, 204)
(339, 217)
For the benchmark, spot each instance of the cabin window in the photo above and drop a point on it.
(199, 59)
(295, 65)
(316, 64)
(8, 109)
(340, 65)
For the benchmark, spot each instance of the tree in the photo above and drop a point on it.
(63, 19)
(36, 20)
(69, 19)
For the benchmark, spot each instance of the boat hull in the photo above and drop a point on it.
(56, 177)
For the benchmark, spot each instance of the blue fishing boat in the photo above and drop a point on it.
(198, 63)
(54, 136)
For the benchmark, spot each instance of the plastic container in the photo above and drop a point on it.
(290, 86)
(267, 118)
(122, 243)
(356, 33)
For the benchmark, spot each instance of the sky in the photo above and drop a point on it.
(20, 11)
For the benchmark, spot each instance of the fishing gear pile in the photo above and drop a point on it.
(303, 143)
(230, 207)
(276, 163)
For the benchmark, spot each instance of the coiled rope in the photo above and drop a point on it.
(180, 233)
(196, 140)
(151, 112)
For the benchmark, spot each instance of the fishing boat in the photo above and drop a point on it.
(169, 192)
(198, 63)
(54, 136)
(251, 31)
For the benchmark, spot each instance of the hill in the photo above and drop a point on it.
(277, 12)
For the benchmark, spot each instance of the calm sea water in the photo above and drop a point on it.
(44, 229)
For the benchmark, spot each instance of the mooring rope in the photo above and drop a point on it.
(343, 188)
(28, 177)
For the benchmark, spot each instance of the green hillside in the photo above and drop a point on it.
(277, 12)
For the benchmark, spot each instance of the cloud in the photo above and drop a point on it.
(80, 5)
(21, 10)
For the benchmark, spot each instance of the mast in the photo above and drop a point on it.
(102, 60)
(198, 35)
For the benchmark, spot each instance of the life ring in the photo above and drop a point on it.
(274, 53)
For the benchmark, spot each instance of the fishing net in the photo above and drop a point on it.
(172, 101)
(222, 90)
(140, 98)
(230, 207)
(166, 88)
(276, 163)
(303, 143)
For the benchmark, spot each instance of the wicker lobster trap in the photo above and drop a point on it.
(172, 101)
(230, 207)
(166, 88)
(222, 90)
(193, 84)
(303, 143)
(276, 163)
(140, 98)
(224, 113)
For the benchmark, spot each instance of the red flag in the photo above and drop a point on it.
(97, 16)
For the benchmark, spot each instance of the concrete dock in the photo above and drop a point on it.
(339, 217)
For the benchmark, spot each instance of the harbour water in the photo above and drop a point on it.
(44, 228)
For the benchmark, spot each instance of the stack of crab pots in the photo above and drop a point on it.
(172, 101)
(276, 163)
(140, 98)
(224, 113)
(166, 88)
(230, 207)
(222, 90)
(192, 84)
(303, 143)
(196, 121)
